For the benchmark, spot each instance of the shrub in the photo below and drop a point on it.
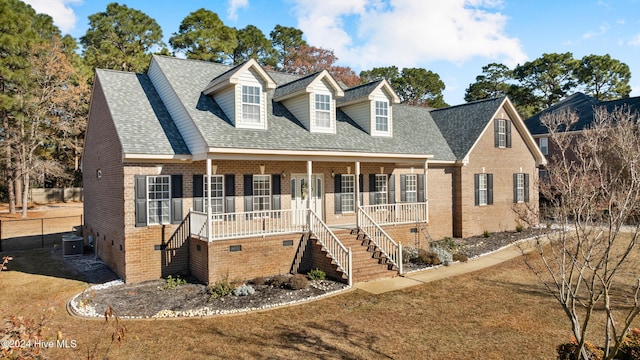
(460, 257)
(443, 255)
(279, 280)
(486, 234)
(519, 228)
(316, 274)
(428, 257)
(172, 283)
(258, 281)
(221, 288)
(298, 282)
(409, 254)
(244, 290)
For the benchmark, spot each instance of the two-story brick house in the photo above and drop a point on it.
(236, 171)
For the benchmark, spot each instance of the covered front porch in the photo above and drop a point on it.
(329, 196)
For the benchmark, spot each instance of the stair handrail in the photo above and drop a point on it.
(385, 243)
(335, 249)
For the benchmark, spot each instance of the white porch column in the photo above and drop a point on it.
(309, 192)
(426, 190)
(357, 193)
(209, 212)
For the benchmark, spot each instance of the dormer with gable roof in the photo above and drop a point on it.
(371, 106)
(241, 93)
(312, 100)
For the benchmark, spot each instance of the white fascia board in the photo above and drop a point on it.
(290, 155)
(155, 158)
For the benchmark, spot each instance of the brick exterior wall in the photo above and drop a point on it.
(502, 163)
(104, 198)
(441, 197)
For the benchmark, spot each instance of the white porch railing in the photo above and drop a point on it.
(400, 213)
(247, 224)
(384, 242)
(340, 254)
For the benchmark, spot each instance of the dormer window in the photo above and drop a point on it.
(382, 116)
(251, 104)
(323, 111)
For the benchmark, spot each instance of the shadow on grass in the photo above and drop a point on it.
(49, 262)
(310, 340)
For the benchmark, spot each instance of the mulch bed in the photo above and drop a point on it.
(152, 299)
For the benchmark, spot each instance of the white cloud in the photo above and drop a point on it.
(601, 31)
(635, 40)
(406, 33)
(234, 6)
(63, 16)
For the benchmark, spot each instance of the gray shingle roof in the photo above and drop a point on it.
(359, 92)
(142, 122)
(584, 106)
(145, 126)
(296, 85)
(284, 132)
(462, 125)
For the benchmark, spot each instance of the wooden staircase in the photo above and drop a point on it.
(367, 261)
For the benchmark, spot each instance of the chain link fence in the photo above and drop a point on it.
(24, 234)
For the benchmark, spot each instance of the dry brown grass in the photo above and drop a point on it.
(498, 313)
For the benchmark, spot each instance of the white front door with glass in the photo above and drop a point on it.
(302, 193)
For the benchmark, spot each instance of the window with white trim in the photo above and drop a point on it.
(382, 116)
(323, 111)
(251, 104)
(217, 193)
(261, 192)
(348, 186)
(411, 187)
(482, 189)
(158, 199)
(502, 133)
(544, 145)
(520, 187)
(380, 196)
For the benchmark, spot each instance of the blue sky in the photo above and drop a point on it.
(453, 38)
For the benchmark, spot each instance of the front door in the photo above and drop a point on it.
(302, 193)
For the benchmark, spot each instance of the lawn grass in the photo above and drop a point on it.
(501, 312)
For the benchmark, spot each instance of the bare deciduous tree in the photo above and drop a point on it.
(593, 191)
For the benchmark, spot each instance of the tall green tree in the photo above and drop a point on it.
(121, 38)
(389, 72)
(549, 78)
(17, 34)
(604, 78)
(494, 82)
(203, 36)
(414, 86)
(252, 44)
(285, 41)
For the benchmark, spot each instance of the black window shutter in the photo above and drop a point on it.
(141, 200)
(248, 192)
(476, 187)
(198, 192)
(372, 189)
(403, 188)
(515, 188)
(392, 189)
(275, 192)
(496, 133)
(337, 192)
(507, 124)
(293, 189)
(420, 187)
(361, 189)
(176, 199)
(230, 193)
(489, 189)
(526, 187)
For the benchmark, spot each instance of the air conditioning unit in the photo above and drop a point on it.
(72, 245)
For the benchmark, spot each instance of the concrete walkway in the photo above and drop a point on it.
(422, 277)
